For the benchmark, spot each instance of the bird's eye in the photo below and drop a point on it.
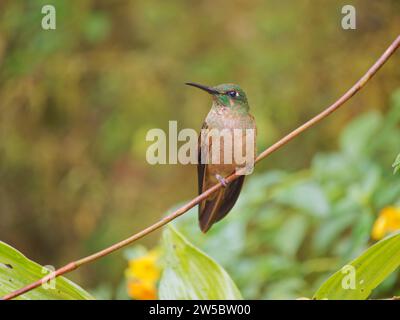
(233, 93)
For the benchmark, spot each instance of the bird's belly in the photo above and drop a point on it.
(223, 151)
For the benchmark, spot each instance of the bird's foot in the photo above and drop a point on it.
(222, 180)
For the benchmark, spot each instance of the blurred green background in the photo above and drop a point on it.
(77, 102)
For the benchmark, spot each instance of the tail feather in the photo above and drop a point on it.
(214, 209)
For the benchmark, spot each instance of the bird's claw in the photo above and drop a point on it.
(222, 180)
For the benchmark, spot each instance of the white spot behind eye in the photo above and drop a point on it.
(233, 93)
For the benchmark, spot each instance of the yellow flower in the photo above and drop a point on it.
(388, 221)
(142, 290)
(144, 267)
(142, 275)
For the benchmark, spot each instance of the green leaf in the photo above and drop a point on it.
(396, 164)
(17, 271)
(189, 274)
(306, 196)
(296, 227)
(356, 137)
(370, 269)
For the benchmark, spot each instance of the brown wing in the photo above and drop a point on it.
(230, 197)
(200, 167)
(221, 202)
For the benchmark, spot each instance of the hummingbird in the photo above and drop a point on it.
(229, 111)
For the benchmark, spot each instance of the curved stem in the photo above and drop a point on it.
(351, 92)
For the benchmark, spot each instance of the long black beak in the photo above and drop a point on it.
(202, 87)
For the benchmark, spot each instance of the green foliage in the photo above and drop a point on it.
(17, 271)
(369, 270)
(396, 164)
(189, 273)
(290, 231)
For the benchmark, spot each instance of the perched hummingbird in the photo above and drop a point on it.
(229, 110)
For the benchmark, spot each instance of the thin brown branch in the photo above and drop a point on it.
(76, 264)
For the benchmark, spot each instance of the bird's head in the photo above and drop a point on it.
(228, 95)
